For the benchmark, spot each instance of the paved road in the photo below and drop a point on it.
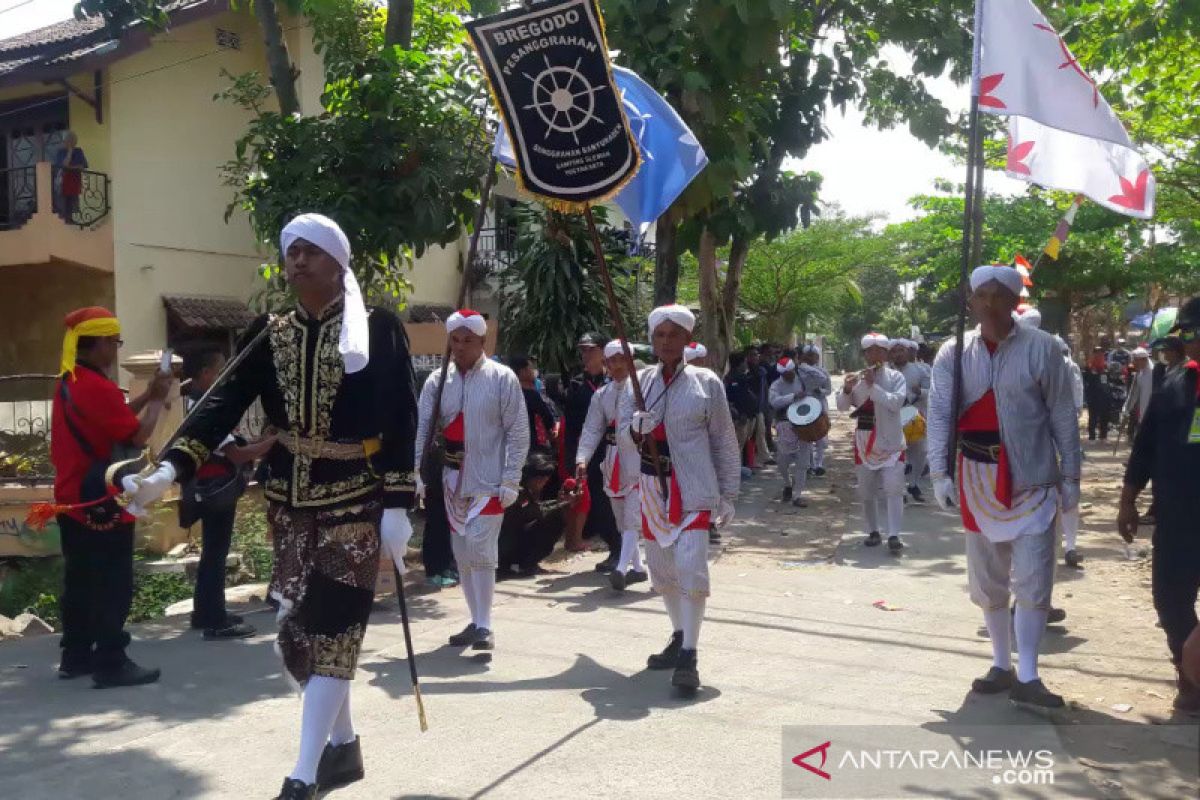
(565, 710)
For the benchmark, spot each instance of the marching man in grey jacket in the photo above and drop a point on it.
(1018, 454)
(877, 394)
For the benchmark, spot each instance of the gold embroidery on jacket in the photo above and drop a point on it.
(194, 449)
(287, 350)
(337, 656)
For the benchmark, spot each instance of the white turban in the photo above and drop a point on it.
(875, 340)
(811, 348)
(1141, 352)
(1029, 316)
(466, 318)
(676, 313)
(614, 348)
(785, 365)
(354, 340)
(1005, 275)
(693, 351)
(908, 343)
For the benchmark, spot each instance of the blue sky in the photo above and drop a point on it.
(866, 171)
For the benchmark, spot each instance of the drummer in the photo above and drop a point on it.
(793, 453)
(916, 381)
(877, 395)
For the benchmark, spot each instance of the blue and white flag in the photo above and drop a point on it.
(671, 155)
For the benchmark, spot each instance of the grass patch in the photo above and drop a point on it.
(250, 539)
(153, 593)
(33, 585)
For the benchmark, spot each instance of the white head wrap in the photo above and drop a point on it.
(1007, 277)
(1141, 352)
(614, 348)
(811, 348)
(354, 340)
(785, 365)
(875, 340)
(1029, 316)
(907, 343)
(678, 314)
(693, 351)
(466, 318)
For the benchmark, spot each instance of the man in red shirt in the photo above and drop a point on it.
(89, 420)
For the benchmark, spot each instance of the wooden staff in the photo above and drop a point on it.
(619, 325)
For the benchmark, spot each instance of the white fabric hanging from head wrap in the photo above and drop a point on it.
(875, 340)
(693, 351)
(469, 319)
(678, 314)
(354, 340)
(1006, 276)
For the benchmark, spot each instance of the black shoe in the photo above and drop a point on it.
(800, 502)
(669, 657)
(686, 676)
(873, 539)
(229, 621)
(1053, 616)
(818, 472)
(635, 576)
(238, 630)
(75, 665)
(484, 639)
(714, 536)
(915, 493)
(126, 674)
(616, 579)
(787, 494)
(466, 636)
(297, 790)
(341, 765)
(607, 565)
(996, 681)
(894, 544)
(1034, 693)
(1073, 559)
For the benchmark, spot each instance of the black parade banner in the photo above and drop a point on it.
(548, 69)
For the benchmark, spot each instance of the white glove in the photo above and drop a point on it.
(1069, 497)
(148, 489)
(725, 512)
(643, 422)
(944, 492)
(507, 496)
(395, 530)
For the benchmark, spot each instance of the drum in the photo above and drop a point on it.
(913, 424)
(808, 419)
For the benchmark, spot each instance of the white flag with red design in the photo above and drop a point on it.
(1061, 132)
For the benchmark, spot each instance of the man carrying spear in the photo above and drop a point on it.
(690, 478)
(335, 380)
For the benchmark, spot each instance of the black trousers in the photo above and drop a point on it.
(97, 592)
(1099, 416)
(216, 534)
(436, 555)
(601, 522)
(1175, 581)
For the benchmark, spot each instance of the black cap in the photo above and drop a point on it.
(590, 339)
(1168, 343)
(1188, 316)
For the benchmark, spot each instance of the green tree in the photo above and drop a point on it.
(551, 293)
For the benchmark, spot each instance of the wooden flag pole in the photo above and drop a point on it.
(619, 326)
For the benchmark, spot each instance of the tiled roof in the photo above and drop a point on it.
(63, 42)
(207, 313)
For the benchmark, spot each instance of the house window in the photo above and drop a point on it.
(31, 130)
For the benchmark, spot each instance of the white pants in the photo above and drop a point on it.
(793, 464)
(478, 547)
(818, 452)
(1069, 522)
(1023, 566)
(917, 455)
(886, 484)
(682, 568)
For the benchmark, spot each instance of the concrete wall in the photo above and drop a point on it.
(35, 299)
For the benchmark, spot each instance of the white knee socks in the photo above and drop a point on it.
(631, 555)
(692, 609)
(466, 579)
(999, 627)
(674, 602)
(1070, 527)
(343, 726)
(485, 589)
(871, 513)
(895, 514)
(1030, 624)
(323, 700)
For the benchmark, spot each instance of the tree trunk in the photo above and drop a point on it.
(279, 62)
(719, 349)
(710, 292)
(399, 27)
(666, 261)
